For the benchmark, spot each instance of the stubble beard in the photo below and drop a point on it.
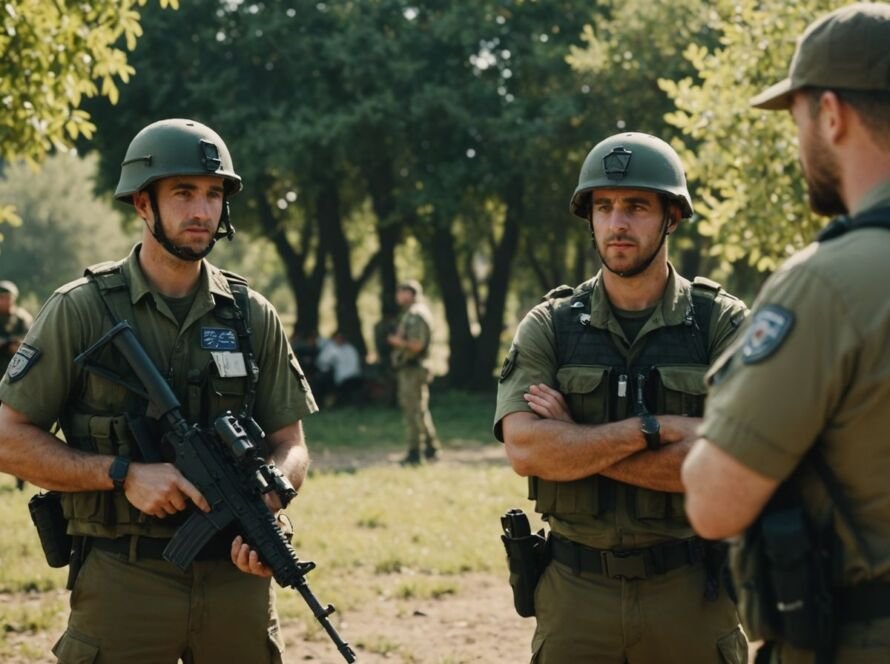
(823, 181)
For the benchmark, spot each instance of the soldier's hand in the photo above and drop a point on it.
(678, 428)
(248, 560)
(547, 403)
(159, 489)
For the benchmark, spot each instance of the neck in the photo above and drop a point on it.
(165, 273)
(638, 292)
(860, 176)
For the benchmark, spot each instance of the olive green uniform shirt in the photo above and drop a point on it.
(13, 327)
(414, 325)
(827, 377)
(534, 360)
(75, 317)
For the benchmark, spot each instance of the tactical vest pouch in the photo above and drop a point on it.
(46, 513)
(586, 389)
(756, 605)
(527, 557)
(682, 390)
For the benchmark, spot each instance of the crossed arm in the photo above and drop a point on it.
(547, 443)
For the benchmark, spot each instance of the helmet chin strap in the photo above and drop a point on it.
(626, 274)
(224, 230)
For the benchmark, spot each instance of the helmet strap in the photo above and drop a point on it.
(183, 253)
(225, 228)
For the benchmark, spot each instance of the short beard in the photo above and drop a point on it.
(823, 181)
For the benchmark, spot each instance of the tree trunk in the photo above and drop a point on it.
(330, 223)
(382, 189)
(461, 343)
(492, 324)
(306, 287)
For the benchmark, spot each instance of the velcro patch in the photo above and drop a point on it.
(25, 358)
(218, 338)
(509, 363)
(769, 329)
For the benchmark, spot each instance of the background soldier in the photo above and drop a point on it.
(599, 397)
(809, 388)
(128, 604)
(411, 361)
(14, 323)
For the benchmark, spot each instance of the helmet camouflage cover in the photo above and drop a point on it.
(632, 161)
(174, 147)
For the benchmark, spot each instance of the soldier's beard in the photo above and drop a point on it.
(821, 173)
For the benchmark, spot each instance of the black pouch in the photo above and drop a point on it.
(46, 513)
(527, 557)
(800, 577)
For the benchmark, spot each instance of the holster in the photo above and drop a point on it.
(527, 557)
(46, 513)
(800, 574)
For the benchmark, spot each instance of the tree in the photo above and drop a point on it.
(52, 56)
(750, 188)
(62, 222)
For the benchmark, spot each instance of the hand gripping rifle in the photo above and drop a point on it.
(224, 464)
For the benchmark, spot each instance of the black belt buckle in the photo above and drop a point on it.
(624, 565)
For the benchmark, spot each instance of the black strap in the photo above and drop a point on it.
(875, 218)
(242, 328)
(628, 563)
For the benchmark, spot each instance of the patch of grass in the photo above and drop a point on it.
(420, 588)
(381, 645)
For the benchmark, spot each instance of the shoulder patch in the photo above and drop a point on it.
(769, 329)
(509, 364)
(25, 358)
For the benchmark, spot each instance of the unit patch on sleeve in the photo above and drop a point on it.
(218, 338)
(25, 358)
(769, 329)
(509, 363)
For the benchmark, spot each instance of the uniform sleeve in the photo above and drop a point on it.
(283, 393)
(530, 360)
(45, 373)
(772, 394)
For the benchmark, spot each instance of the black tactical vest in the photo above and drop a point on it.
(665, 373)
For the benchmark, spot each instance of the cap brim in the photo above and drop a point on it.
(775, 98)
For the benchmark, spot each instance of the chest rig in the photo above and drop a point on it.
(109, 418)
(605, 380)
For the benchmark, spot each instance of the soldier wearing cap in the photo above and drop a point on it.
(794, 451)
(14, 323)
(202, 327)
(410, 358)
(598, 400)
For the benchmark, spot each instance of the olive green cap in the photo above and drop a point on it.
(848, 49)
(7, 286)
(631, 161)
(174, 147)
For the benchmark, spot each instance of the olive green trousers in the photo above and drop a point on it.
(414, 400)
(148, 612)
(858, 643)
(589, 617)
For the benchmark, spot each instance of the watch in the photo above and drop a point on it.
(651, 431)
(118, 472)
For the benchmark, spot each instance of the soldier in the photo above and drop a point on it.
(598, 400)
(127, 603)
(14, 323)
(411, 362)
(799, 411)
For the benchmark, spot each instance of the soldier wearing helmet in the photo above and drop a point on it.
(598, 401)
(221, 347)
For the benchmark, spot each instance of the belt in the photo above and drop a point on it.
(867, 601)
(152, 548)
(627, 563)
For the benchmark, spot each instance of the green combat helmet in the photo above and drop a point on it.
(632, 161)
(177, 147)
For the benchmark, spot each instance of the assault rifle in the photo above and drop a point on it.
(225, 465)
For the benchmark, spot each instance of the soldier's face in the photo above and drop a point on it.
(404, 297)
(627, 224)
(819, 165)
(190, 207)
(5, 303)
